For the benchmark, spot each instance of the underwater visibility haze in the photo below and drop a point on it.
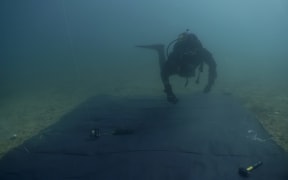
(55, 54)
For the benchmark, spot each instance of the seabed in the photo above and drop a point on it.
(26, 114)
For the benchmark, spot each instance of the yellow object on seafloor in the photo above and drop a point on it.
(244, 172)
(250, 168)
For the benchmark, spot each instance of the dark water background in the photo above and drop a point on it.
(54, 54)
(72, 43)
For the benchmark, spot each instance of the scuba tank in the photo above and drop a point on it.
(183, 37)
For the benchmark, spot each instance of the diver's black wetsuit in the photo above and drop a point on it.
(188, 54)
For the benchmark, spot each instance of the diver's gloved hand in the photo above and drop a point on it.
(207, 89)
(172, 98)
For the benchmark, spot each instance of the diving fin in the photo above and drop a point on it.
(157, 47)
(160, 51)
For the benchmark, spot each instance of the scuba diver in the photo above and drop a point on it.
(188, 54)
